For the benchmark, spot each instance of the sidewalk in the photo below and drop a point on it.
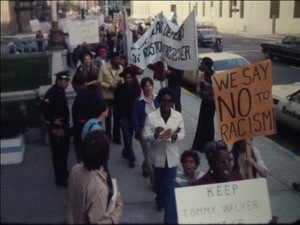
(29, 194)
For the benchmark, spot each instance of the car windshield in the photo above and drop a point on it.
(228, 64)
(207, 32)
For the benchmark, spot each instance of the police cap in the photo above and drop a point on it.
(63, 75)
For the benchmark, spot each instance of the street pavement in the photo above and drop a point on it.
(29, 194)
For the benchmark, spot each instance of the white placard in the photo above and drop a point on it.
(84, 31)
(116, 17)
(239, 202)
(35, 25)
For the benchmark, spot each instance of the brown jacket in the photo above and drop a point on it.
(107, 79)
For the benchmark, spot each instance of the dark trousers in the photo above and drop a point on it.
(60, 151)
(177, 96)
(116, 125)
(205, 129)
(127, 132)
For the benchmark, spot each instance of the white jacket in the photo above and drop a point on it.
(162, 150)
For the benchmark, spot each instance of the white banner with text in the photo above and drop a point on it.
(239, 202)
(166, 41)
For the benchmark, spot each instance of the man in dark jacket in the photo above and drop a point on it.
(124, 98)
(81, 109)
(54, 108)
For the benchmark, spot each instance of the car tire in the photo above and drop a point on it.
(268, 55)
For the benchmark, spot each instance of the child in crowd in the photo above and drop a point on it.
(190, 161)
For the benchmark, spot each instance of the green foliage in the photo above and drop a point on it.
(13, 121)
(23, 74)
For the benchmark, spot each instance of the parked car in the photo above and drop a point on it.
(286, 100)
(222, 61)
(206, 25)
(288, 47)
(207, 36)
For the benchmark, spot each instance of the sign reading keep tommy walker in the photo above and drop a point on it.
(239, 202)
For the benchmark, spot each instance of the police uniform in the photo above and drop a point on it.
(54, 106)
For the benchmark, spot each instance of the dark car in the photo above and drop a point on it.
(288, 47)
(207, 36)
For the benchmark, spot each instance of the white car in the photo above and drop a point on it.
(286, 100)
(222, 61)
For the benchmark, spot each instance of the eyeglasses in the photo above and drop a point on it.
(228, 160)
(166, 101)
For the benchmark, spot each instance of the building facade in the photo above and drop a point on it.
(256, 17)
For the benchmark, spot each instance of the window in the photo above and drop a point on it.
(297, 9)
(274, 8)
(220, 8)
(242, 9)
(173, 8)
(203, 9)
(230, 9)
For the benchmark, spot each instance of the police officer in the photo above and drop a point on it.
(54, 108)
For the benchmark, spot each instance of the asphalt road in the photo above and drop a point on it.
(283, 71)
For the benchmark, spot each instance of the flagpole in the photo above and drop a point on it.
(196, 37)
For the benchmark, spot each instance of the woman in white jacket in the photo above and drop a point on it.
(164, 128)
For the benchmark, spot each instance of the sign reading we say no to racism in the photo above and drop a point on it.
(239, 202)
(244, 104)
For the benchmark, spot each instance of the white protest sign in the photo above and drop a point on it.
(84, 31)
(167, 41)
(116, 17)
(239, 202)
(35, 25)
(65, 24)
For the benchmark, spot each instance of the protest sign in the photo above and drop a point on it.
(239, 202)
(84, 31)
(35, 25)
(166, 41)
(244, 104)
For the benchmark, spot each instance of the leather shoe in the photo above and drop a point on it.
(145, 174)
(63, 183)
(117, 142)
(131, 164)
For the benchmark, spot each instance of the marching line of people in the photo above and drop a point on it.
(111, 101)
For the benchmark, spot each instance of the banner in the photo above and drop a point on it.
(239, 202)
(244, 104)
(166, 41)
(84, 31)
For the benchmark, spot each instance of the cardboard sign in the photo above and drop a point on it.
(166, 41)
(35, 25)
(239, 202)
(244, 104)
(84, 31)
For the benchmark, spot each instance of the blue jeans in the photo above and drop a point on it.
(127, 131)
(165, 192)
